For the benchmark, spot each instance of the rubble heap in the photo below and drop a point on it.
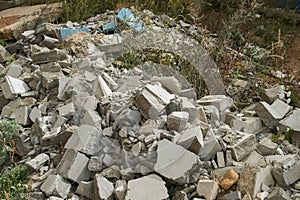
(94, 131)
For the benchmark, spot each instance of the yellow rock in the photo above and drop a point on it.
(229, 180)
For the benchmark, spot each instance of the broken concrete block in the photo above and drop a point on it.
(56, 185)
(249, 125)
(14, 70)
(291, 122)
(103, 188)
(22, 115)
(96, 163)
(4, 54)
(263, 176)
(278, 194)
(188, 93)
(169, 82)
(271, 114)
(160, 93)
(191, 139)
(67, 110)
(208, 189)
(35, 113)
(189, 107)
(236, 195)
(120, 189)
(177, 120)
(38, 161)
(150, 187)
(46, 56)
(100, 87)
(85, 139)
(229, 180)
(111, 43)
(242, 145)
(73, 166)
(255, 159)
(271, 94)
(211, 146)
(220, 159)
(50, 79)
(222, 102)
(287, 172)
(148, 105)
(12, 87)
(175, 163)
(91, 118)
(86, 189)
(266, 147)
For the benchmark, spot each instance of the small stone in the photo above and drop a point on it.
(229, 180)
(208, 189)
(266, 147)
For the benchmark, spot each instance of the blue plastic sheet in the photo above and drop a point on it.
(66, 32)
(134, 22)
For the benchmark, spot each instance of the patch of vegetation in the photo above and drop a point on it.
(8, 130)
(13, 183)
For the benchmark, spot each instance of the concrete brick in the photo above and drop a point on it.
(38, 161)
(208, 189)
(150, 187)
(177, 120)
(211, 146)
(175, 163)
(67, 110)
(48, 56)
(220, 159)
(266, 147)
(86, 189)
(222, 102)
(251, 125)
(191, 139)
(243, 146)
(170, 83)
(56, 185)
(100, 87)
(161, 94)
(103, 188)
(73, 166)
(187, 106)
(148, 105)
(12, 87)
(271, 114)
(292, 122)
(85, 139)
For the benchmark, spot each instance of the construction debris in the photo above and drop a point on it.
(100, 131)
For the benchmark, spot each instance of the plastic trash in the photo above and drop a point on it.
(64, 33)
(134, 22)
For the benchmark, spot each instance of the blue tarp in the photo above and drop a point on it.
(66, 32)
(133, 21)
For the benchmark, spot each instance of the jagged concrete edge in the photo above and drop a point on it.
(182, 46)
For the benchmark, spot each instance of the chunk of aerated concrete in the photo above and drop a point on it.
(12, 87)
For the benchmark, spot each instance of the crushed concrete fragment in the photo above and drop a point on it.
(208, 189)
(177, 120)
(103, 188)
(38, 161)
(12, 87)
(150, 187)
(56, 185)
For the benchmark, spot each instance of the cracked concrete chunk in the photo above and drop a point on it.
(67, 110)
(177, 120)
(86, 189)
(271, 114)
(100, 87)
(278, 194)
(160, 93)
(48, 56)
(73, 166)
(56, 185)
(12, 87)
(208, 189)
(243, 146)
(86, 139)
(148, 105)
(292, 122)
(191, 139)
(38, 161)
(103, 188)
(175, 163)
(50, 79)
(211, 146)
(150, 187)
(22, 115)
(120, 189)
(169, 82)
(222, 102)
(266, 147)
(249, 125)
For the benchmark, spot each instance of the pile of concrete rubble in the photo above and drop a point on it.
(94, 131)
